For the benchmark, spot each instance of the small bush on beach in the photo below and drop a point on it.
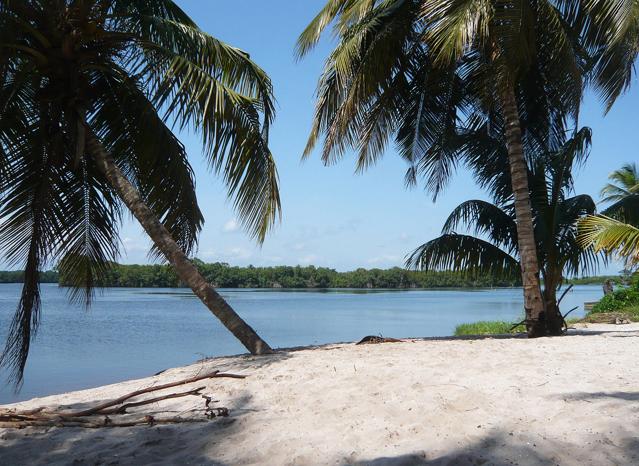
(619, 300)
(488, 328)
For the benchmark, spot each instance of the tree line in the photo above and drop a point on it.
(17, 276)
(223, 275)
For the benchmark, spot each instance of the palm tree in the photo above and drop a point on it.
(420, 70)
(625, 183)
(89, 93)
(623, 193)
(491, 248)
(615, 230)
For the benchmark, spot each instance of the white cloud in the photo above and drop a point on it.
(298, 246)
(390, 259)
(308, 259)
(132, 245)
(231, 226)
(238, 253)
(227, 255)
(207, 255)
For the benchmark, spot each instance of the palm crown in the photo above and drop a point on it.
(123, 73)
(625, 182)
(492, 246)
(420, 71)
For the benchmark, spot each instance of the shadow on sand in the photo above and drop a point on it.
(188, 443)
(500, 448)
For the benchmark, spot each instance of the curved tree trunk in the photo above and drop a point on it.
(187, 272)
(533, 301)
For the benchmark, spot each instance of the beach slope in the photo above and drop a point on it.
(570, 400)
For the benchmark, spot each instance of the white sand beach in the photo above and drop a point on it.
(512, 401)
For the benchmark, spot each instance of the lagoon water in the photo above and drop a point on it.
(129, 333)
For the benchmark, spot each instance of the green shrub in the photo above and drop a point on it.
(618, 300)
(487, 328)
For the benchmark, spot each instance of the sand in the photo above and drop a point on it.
(571, 400)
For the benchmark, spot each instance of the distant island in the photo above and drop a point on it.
(223, 275)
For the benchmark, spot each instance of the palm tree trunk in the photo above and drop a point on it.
(554, 319)
(533, 300)
(185, 269)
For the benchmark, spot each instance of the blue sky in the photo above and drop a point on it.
(331, 216)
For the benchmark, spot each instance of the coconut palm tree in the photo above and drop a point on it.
(615, 230)
(491, 245)
(623, 194)
(420, 70)
(89, 93)
(625, 183)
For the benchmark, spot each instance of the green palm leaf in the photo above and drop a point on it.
(466, 254)
(486, 219)
(610, 236)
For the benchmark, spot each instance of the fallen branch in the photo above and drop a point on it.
(122, 409)
(87, 417)
(154, 388)
(96, 423)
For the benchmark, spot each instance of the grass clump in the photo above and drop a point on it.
(499, 327)
(496, 327)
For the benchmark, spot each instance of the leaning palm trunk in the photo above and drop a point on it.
(184, 268)
(536, 320)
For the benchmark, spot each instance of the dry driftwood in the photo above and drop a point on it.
(98, 416)
(372, 339)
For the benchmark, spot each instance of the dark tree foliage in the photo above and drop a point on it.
(223, 275)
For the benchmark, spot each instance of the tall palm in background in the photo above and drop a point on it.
(616, 230)
(491, 247)
(89, 92)
(624, 183)
(623, 194)
(430, 72)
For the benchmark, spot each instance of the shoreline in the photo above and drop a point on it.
(291, 349)
(455, 400)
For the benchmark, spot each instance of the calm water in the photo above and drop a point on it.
(131, 333)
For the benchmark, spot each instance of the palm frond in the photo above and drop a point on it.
(484, 218)
(625, 182)
(235, 141)
(358, 75)
(614, 36)
(465, 254)
(348, 11)
(625, 209)
(610, 236)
